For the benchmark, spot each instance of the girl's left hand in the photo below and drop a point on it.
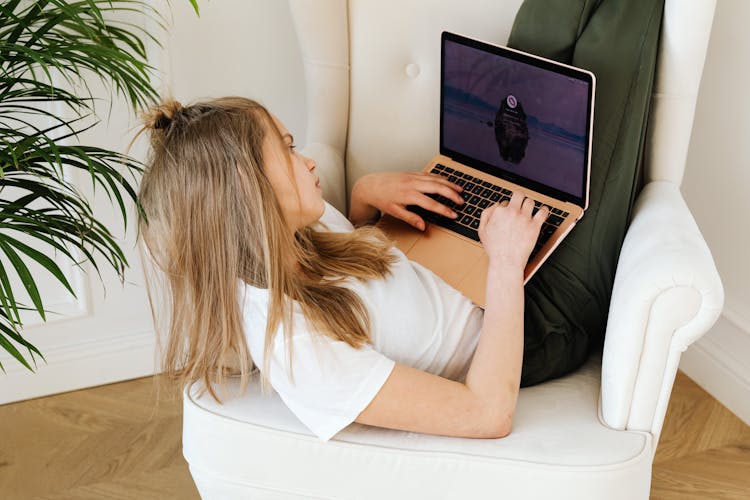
(391, 192)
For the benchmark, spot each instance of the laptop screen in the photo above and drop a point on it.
(515, 116)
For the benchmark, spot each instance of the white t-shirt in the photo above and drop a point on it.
(417, 320)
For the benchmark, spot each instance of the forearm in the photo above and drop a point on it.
(360, 212)
(494, 375)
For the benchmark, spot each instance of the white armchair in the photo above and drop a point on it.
(591, 434)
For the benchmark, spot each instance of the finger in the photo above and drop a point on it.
(444, 190)
(409, 217)
(504, 203)
(486, 216)
(489, 211)
(434, 206)
(527, 207)
(444, 180)
(441, 185)
(441, 179)
(516, 200)
(541, 215)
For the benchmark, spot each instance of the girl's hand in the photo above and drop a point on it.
(508, 232)
(391, 192)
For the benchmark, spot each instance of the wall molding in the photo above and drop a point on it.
(738, 319)
(79, 365)
(723, 373)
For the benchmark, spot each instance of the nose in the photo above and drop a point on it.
(310, 163)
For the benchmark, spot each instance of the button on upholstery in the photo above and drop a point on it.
(412, 70)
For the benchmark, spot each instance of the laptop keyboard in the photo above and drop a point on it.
(478, 195)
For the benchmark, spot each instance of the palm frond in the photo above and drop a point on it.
(49, 52)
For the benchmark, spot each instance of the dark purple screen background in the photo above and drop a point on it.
(475, 84)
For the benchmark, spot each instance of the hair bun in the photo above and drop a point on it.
(161, 116)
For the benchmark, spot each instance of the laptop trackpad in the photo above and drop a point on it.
(448, 256)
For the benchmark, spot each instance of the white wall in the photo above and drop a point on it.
(716, 184)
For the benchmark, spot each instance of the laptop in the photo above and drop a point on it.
(508, 121)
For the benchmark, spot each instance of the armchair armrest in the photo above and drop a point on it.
(330, 170)
(667, 293)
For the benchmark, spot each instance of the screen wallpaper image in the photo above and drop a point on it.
(523, 119)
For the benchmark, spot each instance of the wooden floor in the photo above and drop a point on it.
(110, 443)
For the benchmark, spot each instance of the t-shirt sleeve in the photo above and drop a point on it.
(333, 381)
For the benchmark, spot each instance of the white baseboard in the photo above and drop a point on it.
(718, 362)
(101, 361)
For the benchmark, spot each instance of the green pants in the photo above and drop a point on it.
(567, 301)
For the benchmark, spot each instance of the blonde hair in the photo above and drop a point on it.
(210, 218)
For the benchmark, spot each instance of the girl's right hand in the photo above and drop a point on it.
(391, 192)
(508, 232)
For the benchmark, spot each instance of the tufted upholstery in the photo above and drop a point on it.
(372, 75)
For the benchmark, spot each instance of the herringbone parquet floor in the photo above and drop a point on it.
(110, 443)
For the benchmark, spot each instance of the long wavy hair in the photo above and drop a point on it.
(211, 222)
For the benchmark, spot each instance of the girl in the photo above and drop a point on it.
(261, 270)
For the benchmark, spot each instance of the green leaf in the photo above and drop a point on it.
(7, 298)
(194, 3)
(26, 278)
(14, 335)
(49, 264)
(13, 352)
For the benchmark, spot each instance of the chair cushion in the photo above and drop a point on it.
(567, 300)
(558, 447)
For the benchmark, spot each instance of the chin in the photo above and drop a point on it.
(314, 217)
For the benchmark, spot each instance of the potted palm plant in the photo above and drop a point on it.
(49, 49)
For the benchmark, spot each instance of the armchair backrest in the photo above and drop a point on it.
(372, 71)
